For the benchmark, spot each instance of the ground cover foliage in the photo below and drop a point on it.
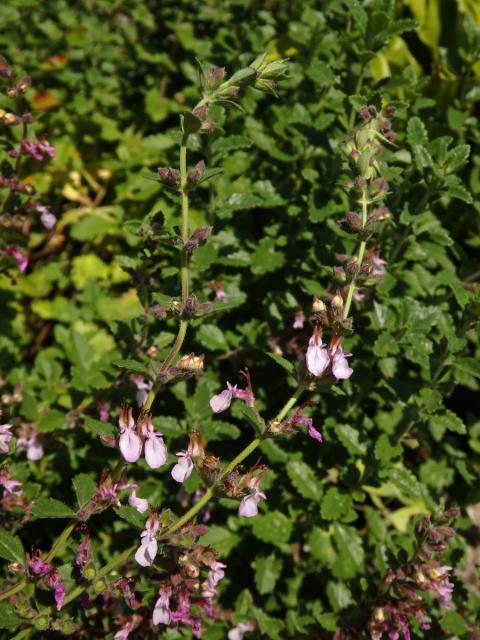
(343, 545)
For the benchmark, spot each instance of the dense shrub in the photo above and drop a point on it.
(342, 168)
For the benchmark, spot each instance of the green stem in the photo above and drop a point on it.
(22, 634)
(185, 224)
(61, 541)
(13, 590)
(361, 253)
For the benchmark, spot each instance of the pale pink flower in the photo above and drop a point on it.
(30, 148)
(240, 630)
(379, 267)
(155, 450)
(45, 148)
(223, 400)
(146, 552)
(299, 320)
(220, 295)
(12, 487)
(20, 257)
(441, 584)
(143, 388)
(340, 368)
(317, 356)
(140, 504)
(184, 467)
(161, 612)
(125, 631)
(29, 441)
(249, 504)
(130, 442)
(5, 437)
(312, 432)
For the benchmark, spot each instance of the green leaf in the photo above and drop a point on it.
(304, 480)
(132, 365)
(50, 508)
(335, 505)
(221, 538)
(321, 73)
(269, 626)
(212, 338)
(358, 13)
(130, 515)
(9, 618)
(98, 427)
(450, 280)
(454, 623)
(468, 365)
(456, 189)
(449, 421)
(11, 548)
(52, 420)
(351, 555)
(231, 143)
(267, 573)
(283, 362)
(384, 451)
(273, 527)
(416, 132)
(190, 123)
(349, 437)
(84, 487)
(395, 29)
(457, 158)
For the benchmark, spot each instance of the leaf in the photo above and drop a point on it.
(394, 29)
(267, 573)
(9, 618)
(283, 362)
(11, 548)
(349, 437)
(84, 487)
(358, 13)
(52, 420)
(212, 338)
(269, 626)
(448, 278)
(50, 508)
(190, 123)
(98, 427)
(321, 73)
(453, 623)
(304, 480)
(457, 158)
(416, 132)
(221, 538)
(449, 421)
(335, 505)
(384, 451)
(351, 555)
(456, 189)
(130, 515)
(231, 143)
(468, 365)
(273, 527)
(404, 480)
(132, 365)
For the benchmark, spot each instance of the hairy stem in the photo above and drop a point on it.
(360, 255)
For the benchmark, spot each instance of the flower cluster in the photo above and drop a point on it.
(49, 576)
(134, 436)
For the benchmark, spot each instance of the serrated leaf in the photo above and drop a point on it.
(50, 508)
(130, 515)
(304, 480)
(283, 362)
(456, 189)
(358, 13)
(212, 338)
(273, 527)
(221, 538)
(269, 626)
(416, 132)
(349, 437)
(52, 420)
(448, 278)
(384, 451)
(98, 427)
(351, 555)
(231, 143)
(468, 365)
(84, 487)
(335, 505)
(131, 365)
(449, 421)
(267, 573)
(11, 548)
(321, 73)
(457, 158)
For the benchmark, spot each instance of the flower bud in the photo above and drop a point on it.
(241, 78)
(169, 176)
(192, 571)
(434, 574)
(9, 118)
(379, 614)
(100, 585)
(318, 306)
(152, 352)
(420, 579)
(191, 362)
(41, 623)
(213, 76)
(275, 427)
(337, 301)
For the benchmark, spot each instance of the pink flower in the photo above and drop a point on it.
(20, 257)
(299, 320)
(146, 552)
(340, 368)
(317, 355)
(12, 487)
(220, 295)
(29, 441)
(140, 504)
(30, 148)
(142, 386)
(130, 443)
(240, 630)
(5, 437)
(45, 148)
(312, 432)
(155, 450)
(379, 267)
(223, 400)
(126, 630)
(440, 583)
(215, 575)
(161, 612)
(38, 566)
(84, 553)
(184, 467)
(249, 504)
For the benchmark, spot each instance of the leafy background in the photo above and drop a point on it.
(403, 435)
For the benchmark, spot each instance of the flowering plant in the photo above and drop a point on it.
(240, 440)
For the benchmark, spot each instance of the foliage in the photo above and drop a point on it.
(401, 438)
